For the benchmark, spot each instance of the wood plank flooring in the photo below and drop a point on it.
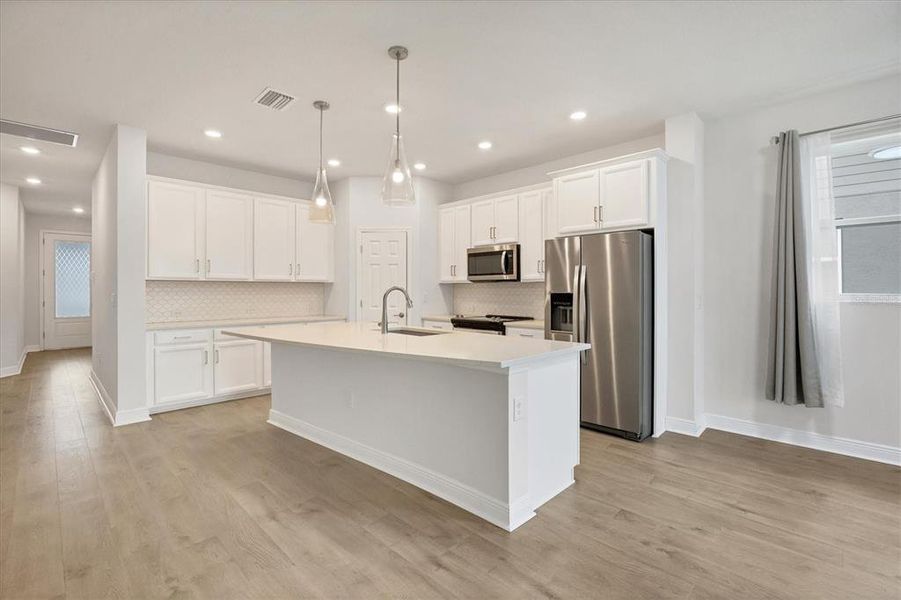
(214, 503)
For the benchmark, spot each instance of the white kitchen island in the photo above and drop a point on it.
(489, 423)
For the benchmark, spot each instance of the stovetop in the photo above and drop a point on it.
(487, 322)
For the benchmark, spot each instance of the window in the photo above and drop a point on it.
(866, 188)
(72, 263)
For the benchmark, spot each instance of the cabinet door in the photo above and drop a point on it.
(238, 366)
(315, 248)
(624, 195)
(506, 220)
(267, 364)
(462, 241)
(182, 372)
(443, 325)
(482, 223)
(578, 198)
(273, 239)
(446, 245)
(531, 232)
(174, 231)
(549, 208)
(229, 235)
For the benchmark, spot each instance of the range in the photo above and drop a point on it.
(488, 324)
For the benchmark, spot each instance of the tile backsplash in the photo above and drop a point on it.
(500, 298)
(170, 301)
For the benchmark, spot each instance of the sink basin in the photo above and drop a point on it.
(415, 332)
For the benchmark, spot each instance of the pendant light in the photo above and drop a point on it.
(397, 186)
(323, 210)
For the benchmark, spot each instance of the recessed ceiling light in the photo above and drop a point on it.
(578, 115)
(334, 162)
(486, 145)
(393, 108)
(33, 180)
(419, 166)
(213, 133)
(78, 210)
(29, 150)
(887, 153)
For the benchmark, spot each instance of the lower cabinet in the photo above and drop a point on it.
(182, 372)
(238, 366)
(444, 325)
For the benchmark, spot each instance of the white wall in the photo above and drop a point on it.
(357, 205)
(738, 224)
(538, 173)
(12, 288)
(34, 224)
(117, 293)
(164, 165)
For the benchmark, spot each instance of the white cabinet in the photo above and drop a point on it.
(525, 332)
(175, 225)
(182, 372)
(443, 325)
(238, 366)
(495, 221)
(267, 364)
(273, 239)
(314, 248)
(577, 198)
(531, 235)
(624, 195)
(454, 230)
(229, 235)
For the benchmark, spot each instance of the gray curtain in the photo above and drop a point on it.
(792, 375)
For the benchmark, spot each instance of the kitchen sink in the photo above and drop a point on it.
(415, 332)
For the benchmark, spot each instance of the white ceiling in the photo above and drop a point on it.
(507, 72)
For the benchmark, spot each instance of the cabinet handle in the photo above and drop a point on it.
(206, 357)
(601, 213)
(209, 266)
(538, 263)
(197, 265)
(181, 337)
(290, 268)
(217, 356)
(297, 270)
(594, 214)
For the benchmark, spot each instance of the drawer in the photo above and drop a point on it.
(538, 334)
(219, 336)
(181, 336)
(445, 325)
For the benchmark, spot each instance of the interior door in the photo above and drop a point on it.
(229, 235)
(273, 239)
(506, 220)
(66, 290)
(384, 264)
(174, 230)
(315, 248)
(531, 249)
(624, 195)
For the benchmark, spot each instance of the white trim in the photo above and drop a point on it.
(685, 426)
(409, 285)
(535, 187)
(492, 510)
(42, 275)
(15, 369)
(170, 406)
(117, 418)
(222, 188)
(807, 439)
(651, 153)
(870, 298)
(853, 221)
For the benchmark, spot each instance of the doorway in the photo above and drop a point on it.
(65, 290)
(383, 263)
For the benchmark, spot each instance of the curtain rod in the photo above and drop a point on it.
(775, 138)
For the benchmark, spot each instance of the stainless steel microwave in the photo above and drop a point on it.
(493, 263)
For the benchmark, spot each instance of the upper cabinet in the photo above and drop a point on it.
(531, 231)
(611, 195)
(495, 221)
(201, 232)
(454, 239)
(175, 224)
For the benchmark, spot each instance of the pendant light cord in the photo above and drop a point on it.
(320, 139)
(397, 114)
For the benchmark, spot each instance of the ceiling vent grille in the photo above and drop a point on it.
(35, 132)
(274, 100)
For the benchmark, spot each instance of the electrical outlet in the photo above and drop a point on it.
(517, 409)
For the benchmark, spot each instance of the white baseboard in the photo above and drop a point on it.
(455, 492)
(116, 417)
(684, 426)
(170, 406)
(13, 370)
(808, 439)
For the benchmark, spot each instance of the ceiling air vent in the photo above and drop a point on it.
(274, 100)
(34, 132)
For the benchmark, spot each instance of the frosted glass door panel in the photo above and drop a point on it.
(72, 264)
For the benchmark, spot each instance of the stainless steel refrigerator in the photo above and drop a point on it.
(600, 290)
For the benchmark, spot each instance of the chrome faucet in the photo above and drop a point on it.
(384, 322)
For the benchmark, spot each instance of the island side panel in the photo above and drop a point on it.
(438, 426)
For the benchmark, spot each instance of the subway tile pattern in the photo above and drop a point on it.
(500, 298)
(170, 301)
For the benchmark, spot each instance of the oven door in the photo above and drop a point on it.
(493, 263)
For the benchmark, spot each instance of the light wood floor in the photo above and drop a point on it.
(214, 503)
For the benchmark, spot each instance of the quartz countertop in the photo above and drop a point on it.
(469, 349)
(163, 325)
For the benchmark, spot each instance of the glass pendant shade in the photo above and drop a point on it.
(323, 210)
(397, 185)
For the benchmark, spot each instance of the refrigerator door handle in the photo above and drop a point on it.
(577, 325)
(582, 311)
